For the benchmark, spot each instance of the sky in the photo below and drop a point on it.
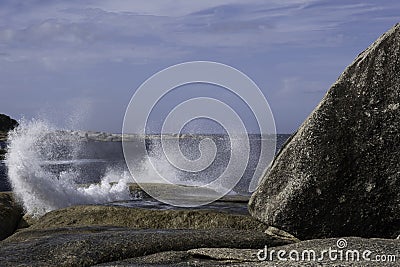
(78, 63)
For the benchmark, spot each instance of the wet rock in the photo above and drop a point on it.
(339, 173)
(84, 246)
(10, 214)
(171, 191)
(146, 218)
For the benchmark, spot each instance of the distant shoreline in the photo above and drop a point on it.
(112, 137)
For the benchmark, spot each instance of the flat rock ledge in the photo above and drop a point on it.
(386, 250)
(86, 246)
(139, 218)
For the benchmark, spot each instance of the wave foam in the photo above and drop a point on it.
(40, 190)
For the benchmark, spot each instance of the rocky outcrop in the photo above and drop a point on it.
(87, 235)
(86, 246)
(387, 251)
(138, 218)
(339, 174)
(10, 214)
(7, 123)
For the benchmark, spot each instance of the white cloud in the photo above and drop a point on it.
(62, 31)
(179, 8)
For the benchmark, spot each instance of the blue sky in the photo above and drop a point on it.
(77, 63)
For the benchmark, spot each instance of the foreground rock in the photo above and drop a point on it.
(85, 246)
(10, 214)
(339, 174)
(387, 251)
(146, 218)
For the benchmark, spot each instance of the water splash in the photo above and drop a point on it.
(33, 144)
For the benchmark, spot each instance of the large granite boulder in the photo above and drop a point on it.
(10, 214)
(339, 174)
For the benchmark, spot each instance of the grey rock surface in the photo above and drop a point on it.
(166, 258)
(387, 249)
(85, 246)
(147, 218)
(339, 174)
